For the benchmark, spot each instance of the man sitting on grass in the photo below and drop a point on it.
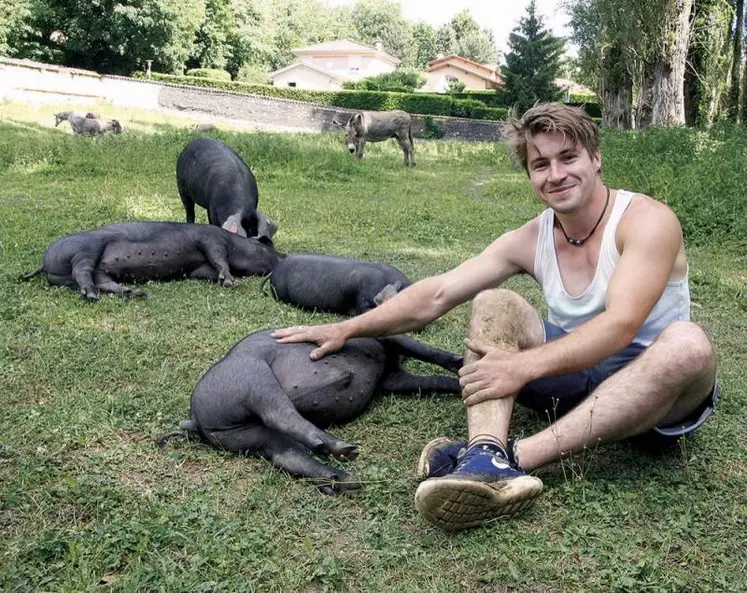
(617, 356)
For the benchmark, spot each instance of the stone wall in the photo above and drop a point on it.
(37, 83)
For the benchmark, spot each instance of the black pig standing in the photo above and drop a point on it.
(211, 174)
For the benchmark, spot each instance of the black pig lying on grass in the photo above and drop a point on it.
(137, 251)
(269, 398)
(334, 284)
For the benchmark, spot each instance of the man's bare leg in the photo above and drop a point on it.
(483, 486)
(662, 386)
(504, 319)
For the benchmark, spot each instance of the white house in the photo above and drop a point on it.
(476, 77)
(326, 66)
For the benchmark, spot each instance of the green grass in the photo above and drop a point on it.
(86, 498)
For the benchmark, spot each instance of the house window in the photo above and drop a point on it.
(354, 63)
(291, 84)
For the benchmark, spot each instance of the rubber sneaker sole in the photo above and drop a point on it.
(424, 470)
(453, 503)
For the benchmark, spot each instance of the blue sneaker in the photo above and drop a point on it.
(482, 487)
(439, 457)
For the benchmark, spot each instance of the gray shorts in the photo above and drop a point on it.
(552, 397)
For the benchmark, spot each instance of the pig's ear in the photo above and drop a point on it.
(387, 292)
(265, 227)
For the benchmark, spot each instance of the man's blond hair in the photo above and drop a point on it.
(572, 122)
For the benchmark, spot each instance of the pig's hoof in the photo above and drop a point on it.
(227, 281)
(345, 451)
(456, 364)
(90, 297)
(340, 484)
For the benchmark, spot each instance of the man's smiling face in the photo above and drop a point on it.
(563, 174)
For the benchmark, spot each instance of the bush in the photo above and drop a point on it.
(252, 74)
(698, 173)
(432, 129)
(455, 86)
(592, 109)
(211, 73)
(400, 81)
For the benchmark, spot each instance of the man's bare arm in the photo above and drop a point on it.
(427, 299)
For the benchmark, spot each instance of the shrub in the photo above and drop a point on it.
(698, 173)
(211, 73)
(400, 81)
(432, 129)
(455, 86)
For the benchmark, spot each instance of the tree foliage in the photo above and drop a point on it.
(463, 37)
(533, 62)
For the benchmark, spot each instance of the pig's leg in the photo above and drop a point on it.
(83, 266)
(404, 383)
(216, 254)
(205, 272)
(255, 386)
(106, 284)
(189, 209)
(410, 348)
(285, 453)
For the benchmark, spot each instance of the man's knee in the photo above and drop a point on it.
(688, 345)
(500, 313)
(499, 301)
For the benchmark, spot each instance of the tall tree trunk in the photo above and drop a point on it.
(644, 103)
(736, 61)
(669, 70)
(617, 90)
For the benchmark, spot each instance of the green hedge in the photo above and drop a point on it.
(212, 73)
(421, 103)
(488, 98)
(593, 109)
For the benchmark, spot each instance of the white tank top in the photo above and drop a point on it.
(568, 312)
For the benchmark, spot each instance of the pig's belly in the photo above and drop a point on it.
(332, 390)
(125, 260)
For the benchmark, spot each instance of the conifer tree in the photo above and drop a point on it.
(533, 61)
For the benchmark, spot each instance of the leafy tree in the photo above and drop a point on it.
(382, 20)
(462, 36)
(533, 62)
(706, 78)
(15, 16)
(736, 66)
(212, 49)
(478, 48)
(116, 37)
(424, 44)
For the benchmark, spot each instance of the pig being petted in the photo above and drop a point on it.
(271, 399)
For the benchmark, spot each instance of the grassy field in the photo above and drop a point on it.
(87, 503)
